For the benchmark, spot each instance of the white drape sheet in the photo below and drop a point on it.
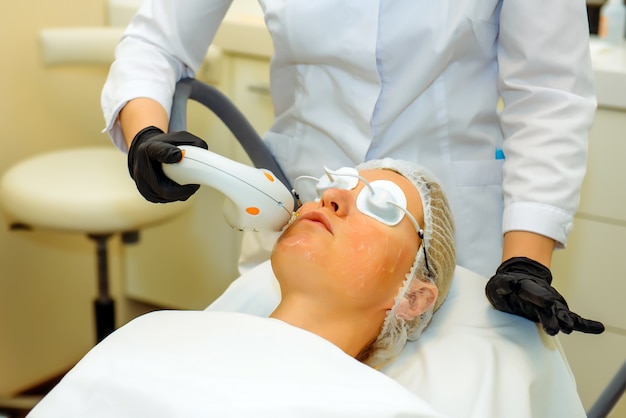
(219, 364)
(472, 361)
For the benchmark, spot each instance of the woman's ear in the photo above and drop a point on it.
(419, 299)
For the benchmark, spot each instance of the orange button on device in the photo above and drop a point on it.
(269, 176)
(253, 211)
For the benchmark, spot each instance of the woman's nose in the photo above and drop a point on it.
(337, 199)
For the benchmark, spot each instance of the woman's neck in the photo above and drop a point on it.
(351, 333)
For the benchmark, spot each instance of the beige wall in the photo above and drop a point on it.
(47, 280)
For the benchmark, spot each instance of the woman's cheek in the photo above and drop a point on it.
(367, 261)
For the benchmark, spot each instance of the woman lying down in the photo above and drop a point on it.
(361, 271)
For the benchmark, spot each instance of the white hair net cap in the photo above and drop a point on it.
(436, 263)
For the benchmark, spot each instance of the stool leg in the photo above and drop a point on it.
(104, 306)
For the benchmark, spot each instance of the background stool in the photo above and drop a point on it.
(86, 190)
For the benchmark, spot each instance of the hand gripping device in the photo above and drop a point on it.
(256, 200)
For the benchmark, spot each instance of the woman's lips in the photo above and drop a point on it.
(319, 217)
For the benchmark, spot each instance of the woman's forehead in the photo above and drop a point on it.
(384, 174)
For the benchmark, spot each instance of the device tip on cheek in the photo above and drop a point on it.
(293, 218)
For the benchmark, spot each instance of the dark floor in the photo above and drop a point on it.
(20, 406)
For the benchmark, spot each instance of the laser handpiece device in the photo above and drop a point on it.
(256, 200)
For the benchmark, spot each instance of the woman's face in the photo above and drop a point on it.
(348, 259)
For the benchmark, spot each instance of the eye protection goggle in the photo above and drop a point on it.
(382, 200)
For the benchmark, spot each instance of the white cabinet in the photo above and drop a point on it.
(604, 189)
(591, 272)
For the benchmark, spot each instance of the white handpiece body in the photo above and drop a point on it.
(255, 199)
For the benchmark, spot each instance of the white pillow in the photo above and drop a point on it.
(471, 361)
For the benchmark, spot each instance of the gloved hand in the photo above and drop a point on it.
(149, 149)
(521, 286)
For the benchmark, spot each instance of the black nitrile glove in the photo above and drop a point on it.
(149, 149)
(521, 286)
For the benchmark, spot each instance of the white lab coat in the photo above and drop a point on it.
(418, 80)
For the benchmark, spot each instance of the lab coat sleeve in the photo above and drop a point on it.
(546, 83)
(166, 41)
